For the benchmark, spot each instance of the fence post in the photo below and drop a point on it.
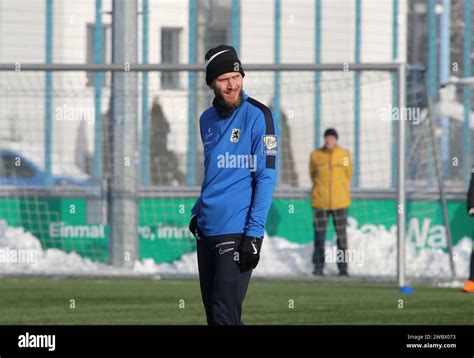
(122, 205)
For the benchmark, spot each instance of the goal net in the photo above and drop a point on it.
(64, 225)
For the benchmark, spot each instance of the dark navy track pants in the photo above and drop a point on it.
(223, 285)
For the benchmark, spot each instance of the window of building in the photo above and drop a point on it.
(170, 46)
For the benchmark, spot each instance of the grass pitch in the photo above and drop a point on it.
(163, 302)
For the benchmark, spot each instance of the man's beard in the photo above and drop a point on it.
(228, 106)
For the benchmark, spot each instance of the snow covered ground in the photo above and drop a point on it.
(21, 253)
(369, 256)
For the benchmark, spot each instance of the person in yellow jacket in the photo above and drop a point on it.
(331, 173)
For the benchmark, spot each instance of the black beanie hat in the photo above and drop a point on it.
(220, 60)
(330, 131)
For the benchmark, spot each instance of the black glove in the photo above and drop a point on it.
(249, 252)
(193, 227)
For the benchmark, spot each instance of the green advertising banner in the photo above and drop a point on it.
(62, 223)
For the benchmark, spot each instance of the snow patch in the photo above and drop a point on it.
(21, 252)
(374, 255)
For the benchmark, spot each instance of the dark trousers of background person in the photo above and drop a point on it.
(320, 221)
(223, 285)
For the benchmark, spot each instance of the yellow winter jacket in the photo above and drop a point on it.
(331, 174)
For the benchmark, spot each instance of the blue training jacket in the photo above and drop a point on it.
(240, 168)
